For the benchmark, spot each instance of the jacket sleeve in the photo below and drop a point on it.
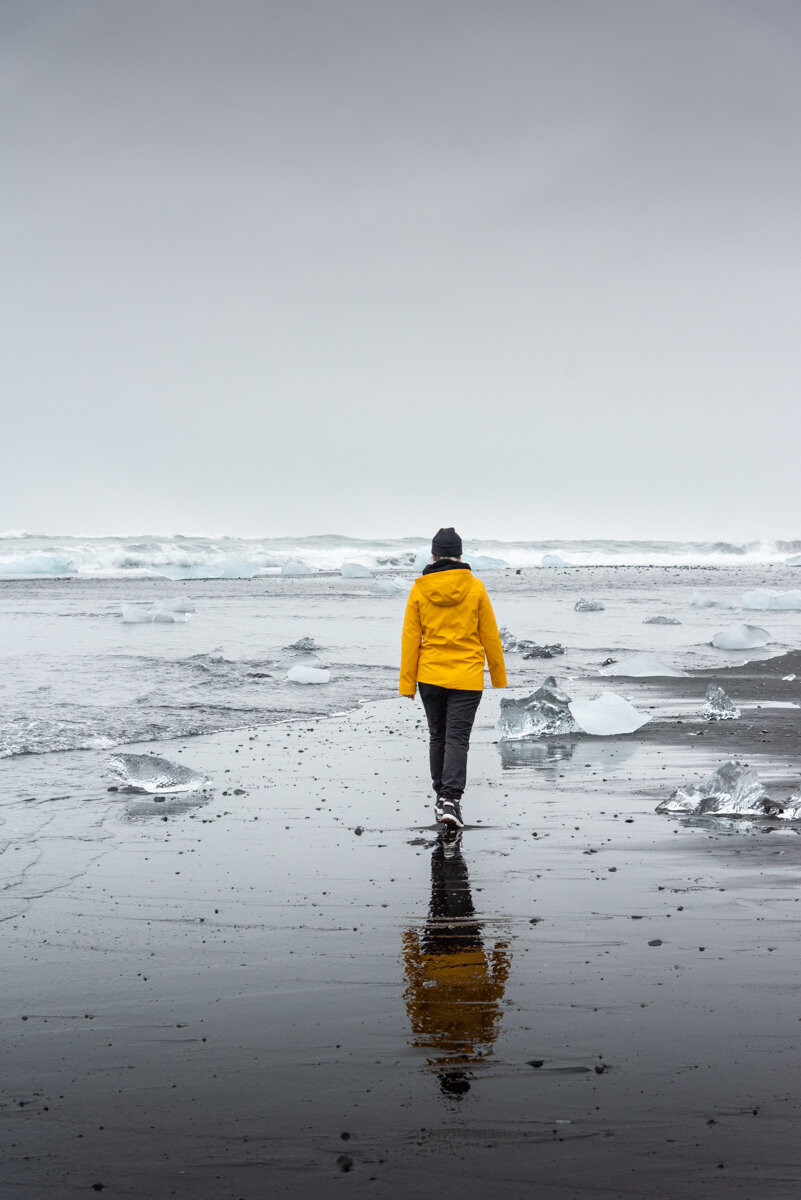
(490, 640)
(410, 646)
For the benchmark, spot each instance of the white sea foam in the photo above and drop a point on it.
(232, 557)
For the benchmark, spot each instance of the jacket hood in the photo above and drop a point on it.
(448, 586)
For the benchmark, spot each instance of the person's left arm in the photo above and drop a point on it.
(491, 641)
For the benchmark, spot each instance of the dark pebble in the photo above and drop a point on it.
(655, 942)
(345, 1162)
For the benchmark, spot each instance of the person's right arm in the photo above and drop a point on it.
(410, 646)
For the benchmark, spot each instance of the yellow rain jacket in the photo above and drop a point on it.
(448, 629)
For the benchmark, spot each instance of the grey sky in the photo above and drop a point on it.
(366, 267)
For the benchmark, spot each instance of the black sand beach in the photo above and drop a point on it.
(287, 988)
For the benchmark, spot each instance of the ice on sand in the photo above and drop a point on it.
(511, 644)
(392, 587)
(589, 606)
(301, 674)
(303, 643)
(483, 562)
(554, 560)
(763, 599)
(731, 791)
(149, 773)
(544, 713)
(718, 706)
(607, 715)
(226, 568)
(793, 561)
(355, 571)
(661, 620)
(422, 558)
(704, 600)
(295, 566)
(160, 614)
(641, 666)
(741, 637)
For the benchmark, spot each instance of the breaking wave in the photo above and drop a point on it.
(24, 555)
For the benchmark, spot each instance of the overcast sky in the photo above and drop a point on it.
(530, 267)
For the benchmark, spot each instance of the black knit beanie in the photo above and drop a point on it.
(446, 544)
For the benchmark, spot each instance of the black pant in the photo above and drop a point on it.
(450, 713)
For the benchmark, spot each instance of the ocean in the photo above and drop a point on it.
(84, 667)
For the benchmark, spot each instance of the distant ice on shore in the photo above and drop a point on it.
(733, 790)
(741, 637)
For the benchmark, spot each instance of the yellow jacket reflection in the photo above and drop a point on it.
(454, 988)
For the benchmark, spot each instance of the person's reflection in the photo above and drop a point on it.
(454, 986)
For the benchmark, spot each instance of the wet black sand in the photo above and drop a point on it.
(291, 991)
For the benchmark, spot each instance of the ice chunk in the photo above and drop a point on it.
(589, 606)
(131, 615)
(179, 604)
(704, 600)
(306, 644)
(788, 678)
(793, 561)
(731, 791)
(554, 560)
(606, 715)
(718, 706)
(39, 564)
(542, 714)
(149, 773)
(549, 651)
(224, 568)
(355, 571)
(661, 620)
(296, 566)
(302, 674)
(791, 809)
(511, 644)
(422, 558)
(483, 562)
(741, 637)
(763, 599)
(393, 587)
(641, 666)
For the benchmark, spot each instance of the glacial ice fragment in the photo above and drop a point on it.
(588, 606)
(554, 560)
(483, 562)
(718, 706)
(393, 587)
(547, 651)
(149, 773)
(731, 791)
(704, 600)
(302, 674)
(422, 558)
(225, 568)
(607, 715)
(661, 620)
(180, 604)
(39, 564)
(763, 599)
(355, 571)
(544, 713)
(131, 615)
(640, 666)
(306, 644)
(741, 637)
(510, 644)
(793, 561)
(296, 566)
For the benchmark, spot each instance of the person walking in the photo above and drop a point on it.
(448, 630)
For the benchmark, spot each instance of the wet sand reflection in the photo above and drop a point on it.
(454, 985)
